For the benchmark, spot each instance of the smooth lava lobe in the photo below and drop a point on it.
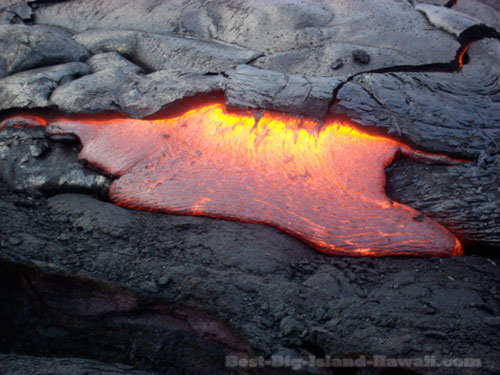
(324, 184)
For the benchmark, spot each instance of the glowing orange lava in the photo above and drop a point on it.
(462, 54)
(323, 183)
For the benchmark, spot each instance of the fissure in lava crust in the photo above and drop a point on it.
(321, 182)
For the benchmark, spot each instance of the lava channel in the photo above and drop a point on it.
(322, 183)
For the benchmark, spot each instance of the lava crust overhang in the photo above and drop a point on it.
(323, 183)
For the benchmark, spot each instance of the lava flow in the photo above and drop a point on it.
(323, 183)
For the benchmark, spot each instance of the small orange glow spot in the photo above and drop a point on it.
(461, 56)
(23, 121)
(323, 183)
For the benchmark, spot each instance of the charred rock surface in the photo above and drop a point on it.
(31, 163)
(454, 113)
(27, 365)
(160, 287)
(172, 294)
(471, 194)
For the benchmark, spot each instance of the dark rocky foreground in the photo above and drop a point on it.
(176, 294)
(89, 287)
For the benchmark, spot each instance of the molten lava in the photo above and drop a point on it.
(461, 55)
(323, 183)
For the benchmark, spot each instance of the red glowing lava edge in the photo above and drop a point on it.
(322, 183)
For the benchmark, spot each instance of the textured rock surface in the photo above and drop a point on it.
(25, 47)
(433, 110)
(157, 52)
(30, 163)
(248, 87)
(297, 37)
(89, 292)
(169, 294)
(485, 10)
(25, 365)
(472, 194)
(33, 88)
(447, 19)
(126, 91)
(12, 12)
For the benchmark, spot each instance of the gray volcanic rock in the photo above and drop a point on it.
(27, 365)
(89, 215)
(249, 87)
(26, 47)
(434, 111)
(447, 19)
(442, 112)
(33, 88)
(95, 92)
(488, 11)
(184, 66)
(491, 3)
(15, 12)
(164, 87)
(122, 88)
(112, 60)
(297, 37)
(158, 52)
